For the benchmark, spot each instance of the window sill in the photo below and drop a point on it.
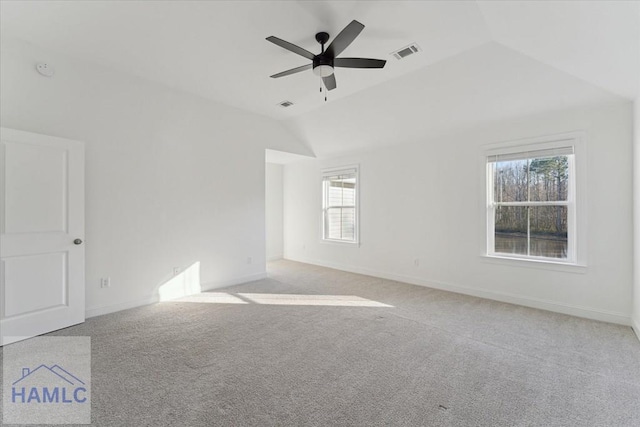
(339, 242)
(535, 263)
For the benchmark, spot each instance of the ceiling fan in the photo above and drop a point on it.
(323, 63)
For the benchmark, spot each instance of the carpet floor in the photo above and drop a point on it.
(311, 346)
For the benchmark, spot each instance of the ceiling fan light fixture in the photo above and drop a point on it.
(323, 70)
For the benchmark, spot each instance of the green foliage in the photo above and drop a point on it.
(535, 180)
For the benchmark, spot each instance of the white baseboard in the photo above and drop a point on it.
(635, 325)
(573, 310)
(112, 308)
(275, 258)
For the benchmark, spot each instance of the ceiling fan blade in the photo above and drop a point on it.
(292, 71)
(344, 39)
(359, 63)
(330, 82)
(291, 47)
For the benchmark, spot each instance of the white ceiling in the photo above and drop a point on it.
(487, 84)
(530, 55)
(598, 41)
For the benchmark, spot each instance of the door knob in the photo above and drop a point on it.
(77, 242)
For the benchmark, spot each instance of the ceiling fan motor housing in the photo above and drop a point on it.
(322, 64)
(322, 60)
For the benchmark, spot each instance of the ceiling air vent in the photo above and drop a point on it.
(285, 104)
(406, 51)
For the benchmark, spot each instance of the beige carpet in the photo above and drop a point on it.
(310, 346)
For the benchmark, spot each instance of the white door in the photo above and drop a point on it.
(41, 233)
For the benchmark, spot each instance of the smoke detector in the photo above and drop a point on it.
(45, 69)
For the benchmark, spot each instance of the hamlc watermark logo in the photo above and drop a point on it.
(64, 386)
(47, 380)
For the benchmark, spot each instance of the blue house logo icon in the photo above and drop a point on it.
(48, 384)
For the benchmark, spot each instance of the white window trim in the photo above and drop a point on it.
(332, 171)
(578, 212)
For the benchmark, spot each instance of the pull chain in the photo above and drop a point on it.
(325, 93)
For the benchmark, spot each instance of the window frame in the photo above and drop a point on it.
(576, 200)
(348, 169)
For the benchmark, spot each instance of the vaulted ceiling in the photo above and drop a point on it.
(480, 61)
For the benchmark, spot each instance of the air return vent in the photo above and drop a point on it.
(406, 51)
(285, 104)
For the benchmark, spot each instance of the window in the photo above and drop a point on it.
(531, 201)
(340, 205)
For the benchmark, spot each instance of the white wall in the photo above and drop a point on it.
(171, 178)
(636, 217)
(274, 207)
(423, 201)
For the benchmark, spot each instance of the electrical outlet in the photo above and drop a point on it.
(177, 270)
(416, 262)
(249, 260)
(105, 282)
